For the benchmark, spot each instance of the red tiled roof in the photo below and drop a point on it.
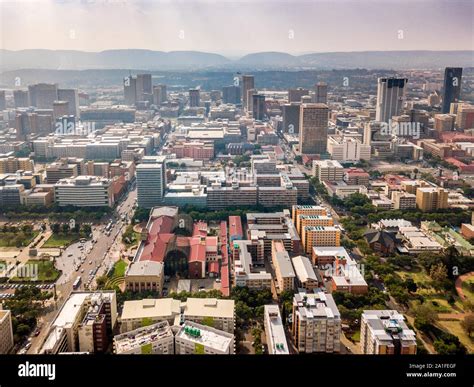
(235, 226)
(213, 267)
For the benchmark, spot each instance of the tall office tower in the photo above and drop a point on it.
(294, 95)
(231, 94)
(60, 109)
(3, 101)
(291, 118)
(451, 87)
(130, 90)
(313, 128)
(258, 107)
(250, 93)
(194, 97)
(390, 95)
(42, 95)
(20, 98)
(320, 93)
(144, 87)
(248, 82)
(151, 181)
(164, 93)
(72, 97)
(159, 94)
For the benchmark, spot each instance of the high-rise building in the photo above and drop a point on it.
(72, 97)
(320, 93)
(3, 101)
(43, 95)
(316, 325)
(21, 98)
(294, 95)
(284, 271)
(144, 87)
(130, 90)
(248, 82)
(231, 94)
(291, 118)
(390, 96)
(159, 94)
(6, 331)
(384, 332)
(84, 191)
(157, 339)
(258, 106)
(313, 128)
(194, 97)
(451, 87)
(151, 181)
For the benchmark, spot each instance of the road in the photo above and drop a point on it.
(100, 254)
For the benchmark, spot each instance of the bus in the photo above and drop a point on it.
(76, 283)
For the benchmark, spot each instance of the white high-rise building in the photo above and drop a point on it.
(390, 96)
(151, 181)
(6, 332)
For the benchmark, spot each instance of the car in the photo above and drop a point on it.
(82, 270)
(37, 332)
(90, 262)
(218, 280)
(27, 346)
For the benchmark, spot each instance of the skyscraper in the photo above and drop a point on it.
(42, 95)
(320, 93)
(231, 94)
(451, 87)
(130, 90)
(258, 107)
(3, 102)
(291, 117)
(72, 97)
(159, 94)
(248, 82)
(144, 87)
(151, 181)
(194, 97)
(20, 98)
(390, 94)
(313, 128)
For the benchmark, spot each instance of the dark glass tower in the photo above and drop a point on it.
(451, 87)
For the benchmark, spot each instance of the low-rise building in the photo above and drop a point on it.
(306, 277)
(275, 331)
(284, 272)
(193, 338)
(84, 191)
(152, 339)
(145, 276)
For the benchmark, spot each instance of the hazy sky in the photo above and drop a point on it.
(236, 27)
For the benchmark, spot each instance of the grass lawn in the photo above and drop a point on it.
(18, 239)
(454, 327)
(119, 268)
(467, 292)
(44, 271)
(60, 240)
(356, 336)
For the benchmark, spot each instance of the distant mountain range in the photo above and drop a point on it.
(195, 60)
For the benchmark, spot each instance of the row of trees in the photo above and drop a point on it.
(56, 212)
(83, 230)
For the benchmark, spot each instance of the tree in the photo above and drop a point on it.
(438, 274)
(65, 228)
(468, 324)
(425, 315)
(55, 227)
(411, 285)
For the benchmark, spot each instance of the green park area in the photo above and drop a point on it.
(41, 270)
(61, 240)
(17, 238)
